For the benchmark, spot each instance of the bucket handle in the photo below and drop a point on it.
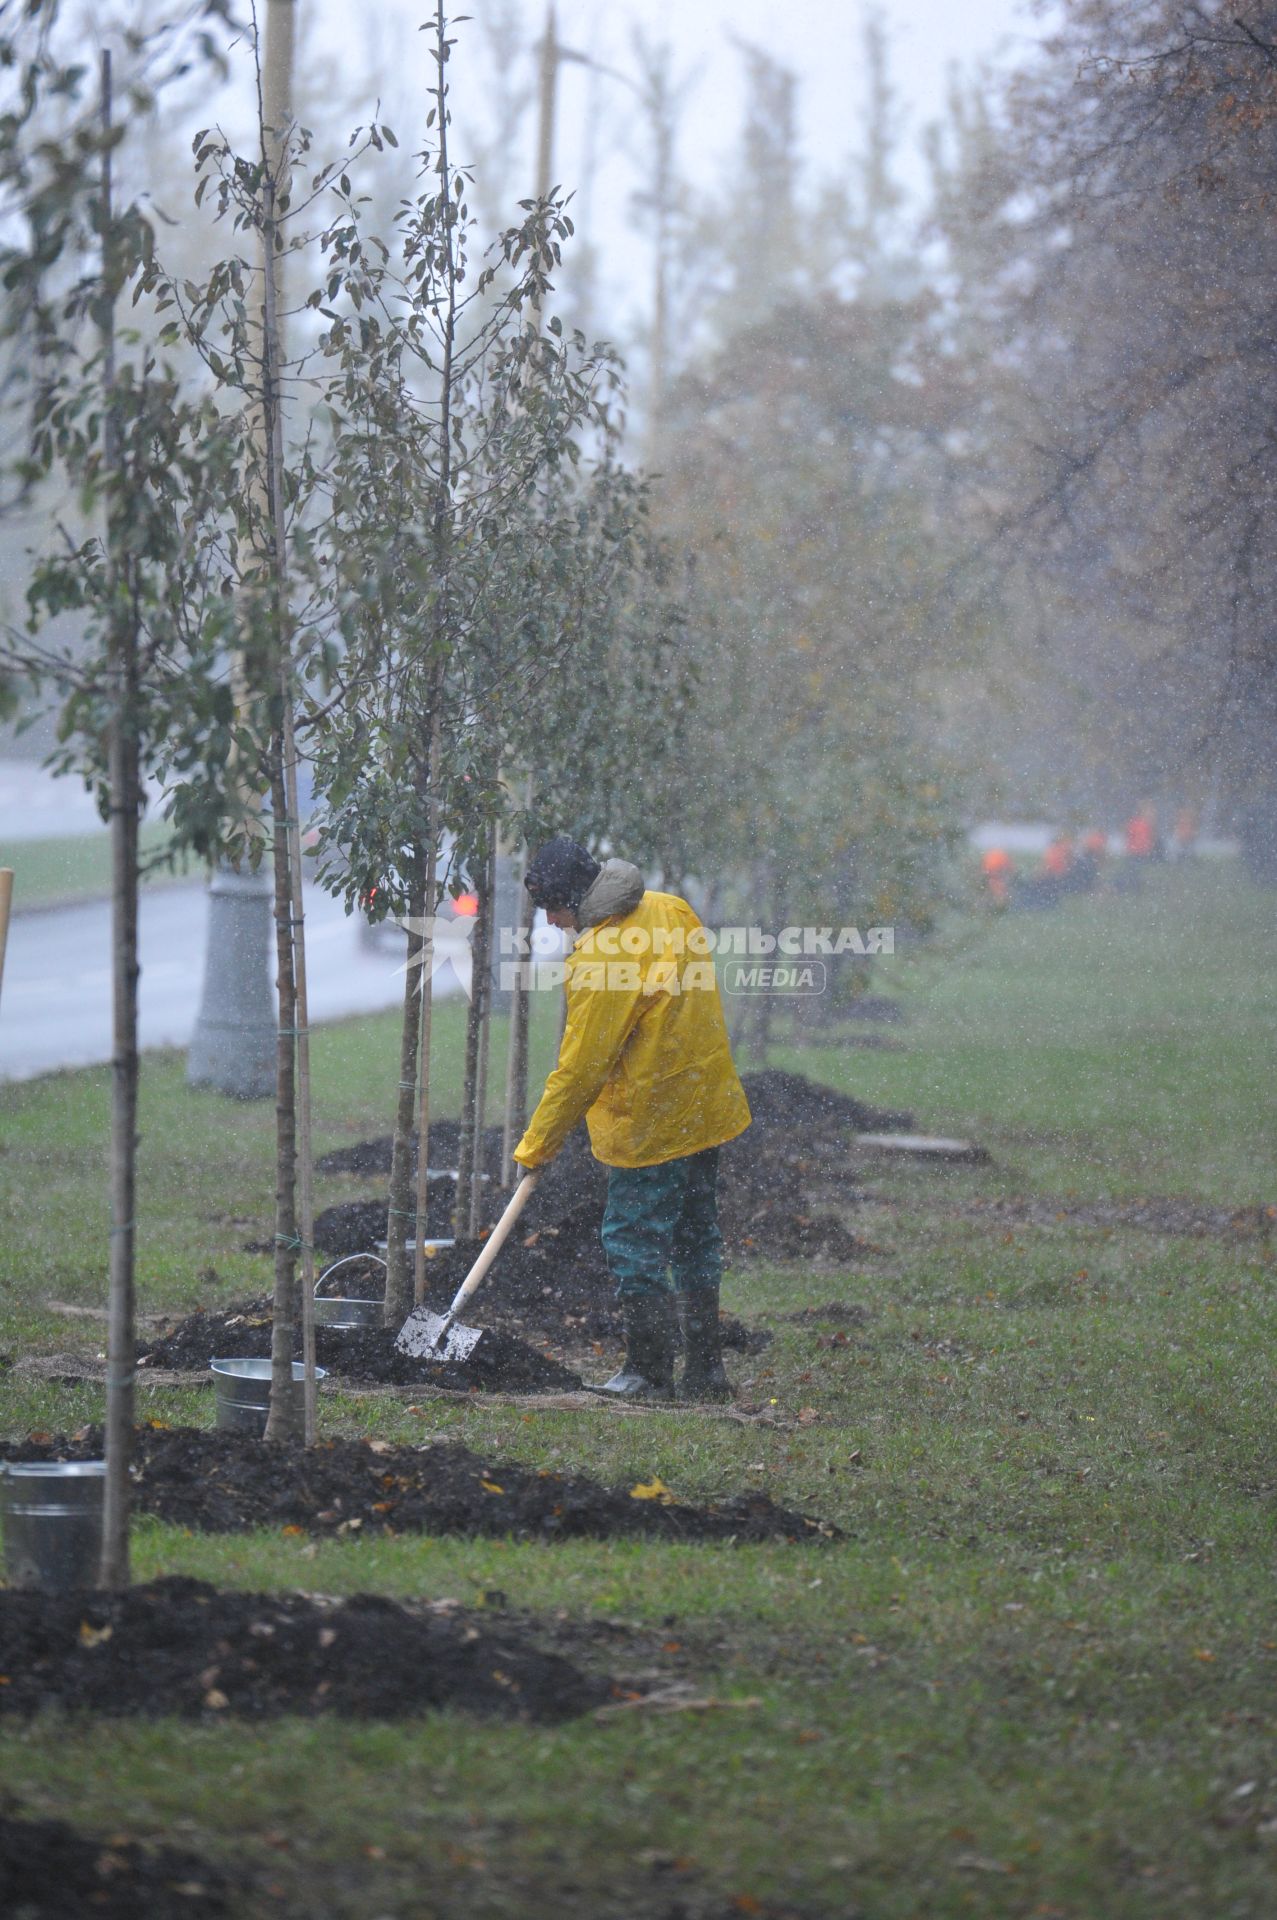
(345, 1262)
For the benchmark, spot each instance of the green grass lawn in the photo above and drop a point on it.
(77, 866)
(1039, 1677)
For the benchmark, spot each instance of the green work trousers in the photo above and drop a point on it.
(662, 1221)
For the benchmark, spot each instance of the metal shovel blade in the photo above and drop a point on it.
(428, 1336)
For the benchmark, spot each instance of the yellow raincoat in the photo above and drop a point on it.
(645, 1055)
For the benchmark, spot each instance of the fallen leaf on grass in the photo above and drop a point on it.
(653, 1489)
(674, 1700)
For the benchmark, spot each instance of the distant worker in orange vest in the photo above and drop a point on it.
(1141, 834)
(995, 866)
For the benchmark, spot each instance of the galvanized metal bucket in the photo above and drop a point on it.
(332, 1310)
(243, 1393)
(432, 1247)
(52, 1513)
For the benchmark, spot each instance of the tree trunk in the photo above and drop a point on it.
(281, 1422)
(483, 934)
(121, 1323)
(277, 71)
(400, 1266)
(125, 787)
(6, 903)
(423, 1072)
(441, 530)
(516, 1083)
(301, 1003)
(471, 1125)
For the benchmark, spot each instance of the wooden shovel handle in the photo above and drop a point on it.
(493, 1244)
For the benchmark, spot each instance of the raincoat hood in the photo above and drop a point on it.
(616, 889)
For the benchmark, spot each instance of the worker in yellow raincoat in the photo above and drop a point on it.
(646, 1060)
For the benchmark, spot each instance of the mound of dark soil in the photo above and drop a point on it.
(358, 1226)
(764, 1206)
(179, 1646)
(500, 1363)
(367, 1356)
(550, 1285)
(48, 1871)
(799, 1134)
(218, 1482)
(531, 1295)
(373, 1156)
(778, 1099)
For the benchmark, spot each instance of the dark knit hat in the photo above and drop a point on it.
(560, 874)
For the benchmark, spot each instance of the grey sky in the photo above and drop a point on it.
(819, 39)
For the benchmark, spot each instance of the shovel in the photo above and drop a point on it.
(436, 1336)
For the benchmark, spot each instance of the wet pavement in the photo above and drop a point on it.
(55, 1006)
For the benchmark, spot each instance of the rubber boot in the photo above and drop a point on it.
(704, 1375)
(651, 1342)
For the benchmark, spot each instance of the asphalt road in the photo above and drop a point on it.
(55, 1003)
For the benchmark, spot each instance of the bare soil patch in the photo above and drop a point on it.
(544, 1303)
(179, 1646)
(216, 1482)
(49, 1871)
(501, 1363)
(550, 1287)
